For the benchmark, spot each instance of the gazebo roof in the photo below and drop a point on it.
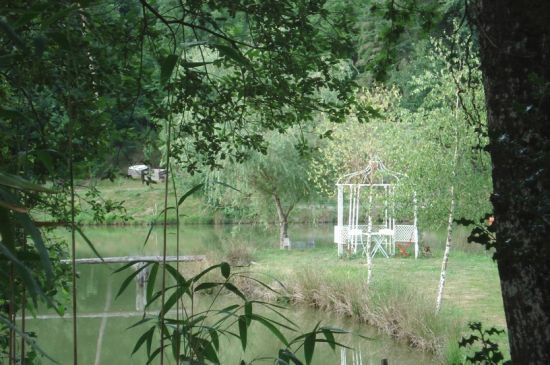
(375, 174)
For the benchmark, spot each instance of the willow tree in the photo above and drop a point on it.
(270, 184)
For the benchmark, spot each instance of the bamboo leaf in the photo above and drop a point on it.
(176, 295)
(6, 228)
(29, 340)
(152, 356)
(36, 236)
(148, 234)
(141, 340)
(189, 193)
(125, 266)
(204, 272)
(176, 341)
(87, 240)
(248, 312)
(309, 347)
(242, 331)
(19, 183)
(214, 338)
(30, 284)
(205, 286)
(235, 290)
(266, 323)
(210, 352)
(225, 269)
(176, 275)
(129, 279)
(140, 322)
(151, 282)
(330, 338)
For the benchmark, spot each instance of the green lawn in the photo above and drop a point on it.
(472, 291)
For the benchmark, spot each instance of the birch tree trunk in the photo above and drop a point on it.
(443, 275)
(514, 39)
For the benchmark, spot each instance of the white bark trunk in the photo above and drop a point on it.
(443, 276)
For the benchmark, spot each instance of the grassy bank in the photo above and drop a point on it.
(143, 203)
(401, 300)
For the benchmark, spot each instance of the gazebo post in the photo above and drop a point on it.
(340, 229)
(357, 204)
(350, 216)
(356, 216)
(369, 231)
(415, 221)
(386, 222)
(340, 205)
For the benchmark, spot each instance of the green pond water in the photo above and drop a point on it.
(103, 334)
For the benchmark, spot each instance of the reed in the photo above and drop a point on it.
(393, 308)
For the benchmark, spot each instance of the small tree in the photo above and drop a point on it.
(276, 180)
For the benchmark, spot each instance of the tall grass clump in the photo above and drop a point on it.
(394, 308)
(239, 253)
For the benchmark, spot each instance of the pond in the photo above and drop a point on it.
(103, 334)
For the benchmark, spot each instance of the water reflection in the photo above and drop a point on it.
(104, 335)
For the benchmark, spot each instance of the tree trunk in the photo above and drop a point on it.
(515, 56)
(443, 275)
(283, 223)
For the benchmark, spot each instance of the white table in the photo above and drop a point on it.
(380, 239)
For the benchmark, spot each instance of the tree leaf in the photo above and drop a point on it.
(187, 64)
(167, 65)
(232, 53)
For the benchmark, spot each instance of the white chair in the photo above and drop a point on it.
(356, 236)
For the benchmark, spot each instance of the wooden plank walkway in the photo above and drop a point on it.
(127, 259)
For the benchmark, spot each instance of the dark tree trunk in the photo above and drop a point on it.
(283, 222)
(515, 55)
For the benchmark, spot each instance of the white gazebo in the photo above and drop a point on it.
(357, 231)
